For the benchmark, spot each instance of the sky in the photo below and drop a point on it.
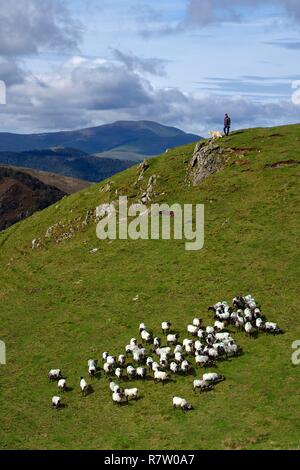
(80, 63)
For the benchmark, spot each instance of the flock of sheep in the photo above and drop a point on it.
(203, 348)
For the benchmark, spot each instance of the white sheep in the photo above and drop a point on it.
(178, 357)
(174, 367)
(146, 336)
(172, 338)
(165, 326)
(160, 376)
(111, 360)
(84, 386)
(142, 327)
(114, 388)
(202, 385)
(213, 377)
(179, 402)
(192, 329)
(198, 345)
(149, 362)
(131, 393)
(62, 385)
(56, 402)
(154, 366)
(92, 370)
(131, 372)
(178, 348)
(117, 398)
(141, 372)
(249, 329)
(197, 322)
(210, 330)
(54, 374)
(201, 334)
(118, 373)
(201, 360)
(121, 360)
(219, 326)
(215, 134)
(185, 367)
(157, 342)
(105, 355)
(107, 368)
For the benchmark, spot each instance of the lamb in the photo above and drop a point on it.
(131, 372)
(84, 386)
(56, 402)
(179, 402)
(141, 372)
(131, 393)
(202, 385)
(165, 326)
(213, 377)
(192, 330)
(62, 385)
(215, 134)
(174, 367)
(160, 376)
(172, 339)
(54, 374)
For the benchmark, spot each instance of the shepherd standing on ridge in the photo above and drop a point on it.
(227, 125)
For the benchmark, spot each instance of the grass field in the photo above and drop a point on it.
(61, 305)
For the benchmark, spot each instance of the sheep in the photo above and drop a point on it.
(219, 326)
(160, 351)
(273, 328)
(222, 336)
(111, 360)
(133, 342)
(131, 372)
(185, 367)
(160, 376)
(149, 362)
(202, 385)
(131, 393)
(172, 339)
(107, 368)
(92, 370)
(56, 402)
(93, 362)
(138, 356)
(174, 367)
(121, 360)
(181, 403)
(163, 363)
(118, 373)
(54, 374)
(142, 327)
(197, 322)
(84, 386)
(249, 329)
(192, 330)
(141, 372)
(202, 360)
(165, 326)
(105, 356)
(154, 366)
(117, 398)
(213, 377)
(114, 388)
(178, 348)
(201, 334)
(146, 336)
(62, 385)
(178, 357)
(198, 345)
(215, 134)
(210, 330)
(157, 342)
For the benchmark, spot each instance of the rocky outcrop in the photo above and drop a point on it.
(208, 158)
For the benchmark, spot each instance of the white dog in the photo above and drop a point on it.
(216, 134)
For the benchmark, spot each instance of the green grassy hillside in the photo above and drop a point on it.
(61, 305)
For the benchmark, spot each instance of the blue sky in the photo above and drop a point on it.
(185, 63)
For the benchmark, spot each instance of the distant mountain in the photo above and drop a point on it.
(68, 162)
(122, 139)
(21, 195)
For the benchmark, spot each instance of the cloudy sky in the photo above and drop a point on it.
(79, 63)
